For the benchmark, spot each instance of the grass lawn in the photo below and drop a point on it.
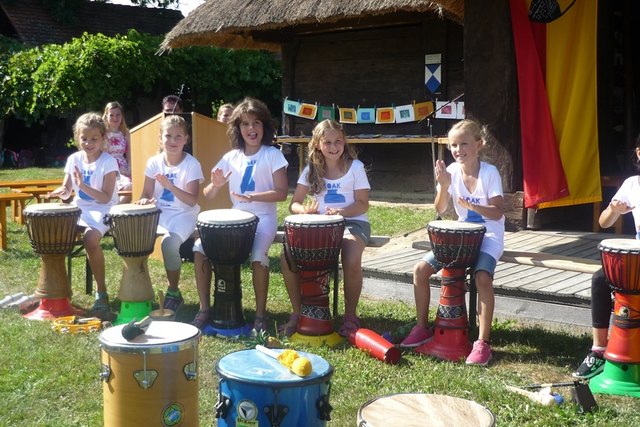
(51, 379)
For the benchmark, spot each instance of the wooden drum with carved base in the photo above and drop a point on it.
(52, 229)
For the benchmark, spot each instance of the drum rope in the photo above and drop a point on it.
(456, 283)
(625, 323)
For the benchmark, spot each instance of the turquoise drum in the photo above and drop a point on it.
(256, 389)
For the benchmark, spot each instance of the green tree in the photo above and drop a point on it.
(64, 80)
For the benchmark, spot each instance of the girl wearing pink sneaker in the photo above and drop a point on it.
(476, 189)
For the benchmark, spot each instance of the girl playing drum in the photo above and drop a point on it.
(626, 199)
(476, 189)
(338, 184)
(172, 182)
(92, 173)
(257, 176)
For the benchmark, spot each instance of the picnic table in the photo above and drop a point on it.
(13, 199)
(31, 183)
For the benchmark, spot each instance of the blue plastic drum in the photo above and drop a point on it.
(256, 390)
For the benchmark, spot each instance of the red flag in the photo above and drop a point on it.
(542, 171)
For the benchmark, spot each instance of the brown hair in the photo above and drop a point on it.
(258, 109)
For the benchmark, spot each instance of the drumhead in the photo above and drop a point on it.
(313, 219)
(455, 225)
(46, 208)
(160, 337)
(131, 209)
(412, 409)
(624, 245)
(225, 216)
(252, 366)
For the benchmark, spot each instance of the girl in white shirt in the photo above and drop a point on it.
(172, 182)
(92, 174)
(476, 190)
(338, 185)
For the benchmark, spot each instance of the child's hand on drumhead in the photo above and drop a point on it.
(145, 201)
(311, 206)
(61, 192)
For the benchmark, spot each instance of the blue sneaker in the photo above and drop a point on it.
(173, 303)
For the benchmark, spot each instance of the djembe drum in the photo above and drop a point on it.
(52, 229)
(256, 390)
(438, 409)
(621, 266)
(456, 246)
(312, 246)
(151, 380)
(133, 228)
(227, 239)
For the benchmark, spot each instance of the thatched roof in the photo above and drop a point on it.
(254, 24)
(32, 23)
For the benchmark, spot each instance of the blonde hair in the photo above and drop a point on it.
(316, 160)
(477, 131)
(89, 121)
(105, 116)
(258, 109)
(171, 121)
(222, 108)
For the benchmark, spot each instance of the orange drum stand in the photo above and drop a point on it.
(456, 246)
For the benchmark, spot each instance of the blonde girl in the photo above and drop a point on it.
(476, 190)
(337, 183)
(119, 144)
(172, 182)
(92, 173)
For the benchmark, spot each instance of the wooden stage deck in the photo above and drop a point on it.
(512, 279)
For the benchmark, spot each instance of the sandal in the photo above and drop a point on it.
(201, 319)
(350, 324)
(290, 327)
(260, 323)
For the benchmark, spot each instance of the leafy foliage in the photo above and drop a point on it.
(81, 75)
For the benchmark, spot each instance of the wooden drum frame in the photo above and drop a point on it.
(52, 229)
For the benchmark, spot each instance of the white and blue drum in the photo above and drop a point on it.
(256, 389)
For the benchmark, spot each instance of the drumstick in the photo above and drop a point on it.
(299, 365)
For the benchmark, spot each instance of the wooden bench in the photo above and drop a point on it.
(536, 259)
(38, 193)
(31, 183)
(7, 199)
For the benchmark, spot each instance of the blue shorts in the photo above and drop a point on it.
(485, 262)
(361, 229)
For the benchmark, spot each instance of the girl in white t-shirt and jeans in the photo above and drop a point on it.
(338, 185)
(476, 190)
